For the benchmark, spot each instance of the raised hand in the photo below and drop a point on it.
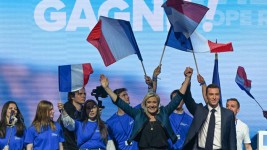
(188, 72)
(105, 84)
(157, 71)
(200, 79)
(203, 85)
(104, 81)
(148, 80)
(60, 106)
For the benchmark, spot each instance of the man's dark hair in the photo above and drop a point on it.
(212, 86)
(118, 91)
(174, 91)
(234, 99)
(71, 95)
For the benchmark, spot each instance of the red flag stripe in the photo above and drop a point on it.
(97, 39)
(87, 70)
(218, 47)
(242, 74)
(186, 8)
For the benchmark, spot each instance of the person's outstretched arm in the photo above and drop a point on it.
(180, 94)
(188, 73)
(156, 72)
(152, 83)
(116, 100)
(203, 85)
(149, 83)
(67, 121)
(105, 84)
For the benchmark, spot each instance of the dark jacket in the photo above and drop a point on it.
(200, 113)
(70, 137)
(140, 117)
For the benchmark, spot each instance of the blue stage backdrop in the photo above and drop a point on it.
(38, 36)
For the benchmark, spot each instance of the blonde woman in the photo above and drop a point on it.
(152, 127)
(44, 133)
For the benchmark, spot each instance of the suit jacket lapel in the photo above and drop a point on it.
(205, 115)
(201, 118)
(223, 123)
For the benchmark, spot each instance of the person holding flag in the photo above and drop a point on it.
(73, 108)
(73, 79)
(152, 127)
(180, 121)
(120, 124)
(90, 130)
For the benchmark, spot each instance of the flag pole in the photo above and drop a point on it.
(195, 61)
(60, 101)
(59, 94)
(162, 54)
(258, 104)
(143, 67)
(216, 56)
(215, 78)
(59, 97)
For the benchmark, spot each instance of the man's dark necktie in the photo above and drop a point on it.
(210, 134)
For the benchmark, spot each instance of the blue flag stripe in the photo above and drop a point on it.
(64, 78)
(216, 78)
(178, 41)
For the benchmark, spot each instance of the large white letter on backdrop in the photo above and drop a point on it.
(58, 19)
(154, 19)
(76, 21)
(105, 8)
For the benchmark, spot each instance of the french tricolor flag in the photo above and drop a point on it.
(242, 81)
(184, 16)
(73, 77)
(196, 42)
(114, 40)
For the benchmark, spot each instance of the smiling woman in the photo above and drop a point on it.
(152, 127)
(151, 103)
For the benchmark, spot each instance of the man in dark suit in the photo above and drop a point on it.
(203, 135)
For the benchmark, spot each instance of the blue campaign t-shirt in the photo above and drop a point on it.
(120, 129)
(15, 142)
(46, 139)
(89, 136)
(180, 124)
